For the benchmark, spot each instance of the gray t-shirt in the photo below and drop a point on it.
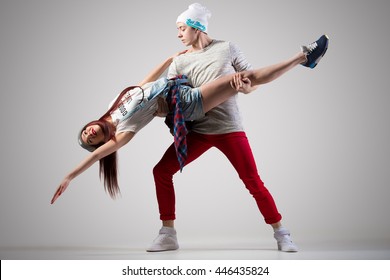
(217, 59)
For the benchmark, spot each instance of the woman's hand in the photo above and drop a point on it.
(60, 190)
(241, 84)
(179, 53)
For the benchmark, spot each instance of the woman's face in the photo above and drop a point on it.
(92, 135)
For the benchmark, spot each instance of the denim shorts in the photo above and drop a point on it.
(191, 98)
(191, 103)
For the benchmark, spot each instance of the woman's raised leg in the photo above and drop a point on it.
(218, 91)
(270, 73)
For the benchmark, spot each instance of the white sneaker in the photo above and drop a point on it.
(166, 240)
(285, 244)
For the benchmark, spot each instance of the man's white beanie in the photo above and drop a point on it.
(195, 16)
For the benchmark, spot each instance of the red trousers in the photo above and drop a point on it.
(236, 148)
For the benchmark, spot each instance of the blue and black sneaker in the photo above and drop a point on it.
(315, 51)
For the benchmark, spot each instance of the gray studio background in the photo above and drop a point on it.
(320, 137)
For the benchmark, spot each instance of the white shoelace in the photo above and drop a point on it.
(311, 47)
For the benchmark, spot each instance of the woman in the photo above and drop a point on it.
(136, 106)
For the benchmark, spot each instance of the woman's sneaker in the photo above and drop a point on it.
(166, 240)
(284, 241)
(315, 51)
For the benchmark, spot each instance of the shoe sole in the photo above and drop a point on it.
(314, 64)
(291, 250)
(162, 250)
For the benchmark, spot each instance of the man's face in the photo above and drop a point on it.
(187, 35)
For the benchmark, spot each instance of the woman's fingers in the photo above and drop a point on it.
(60, 190)
(56, 195)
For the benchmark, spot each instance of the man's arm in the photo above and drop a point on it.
(240, 63)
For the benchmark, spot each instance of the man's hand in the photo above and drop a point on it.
(242, 84)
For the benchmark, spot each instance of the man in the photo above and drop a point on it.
(206, 60)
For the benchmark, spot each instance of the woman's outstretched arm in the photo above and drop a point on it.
(101, 152)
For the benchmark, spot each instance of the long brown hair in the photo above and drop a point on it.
(108, 165)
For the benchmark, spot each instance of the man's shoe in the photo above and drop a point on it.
(315, 51)
(165, 241)
(284, 241)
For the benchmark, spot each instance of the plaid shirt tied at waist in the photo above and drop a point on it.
(175, 119)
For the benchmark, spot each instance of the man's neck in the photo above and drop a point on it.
(203, 42)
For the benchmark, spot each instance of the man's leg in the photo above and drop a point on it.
(237, 149)
(163, 176)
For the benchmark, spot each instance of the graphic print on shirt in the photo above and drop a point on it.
(130, 103)
(126, 99)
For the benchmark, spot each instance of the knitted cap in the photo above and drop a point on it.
(195, 16)
(83, 144)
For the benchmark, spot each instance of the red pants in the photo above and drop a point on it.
(236, 148)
